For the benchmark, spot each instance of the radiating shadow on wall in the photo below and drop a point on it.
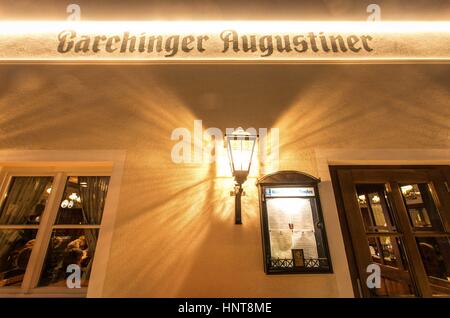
(174, 233)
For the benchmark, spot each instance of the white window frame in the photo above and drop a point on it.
(84, 163)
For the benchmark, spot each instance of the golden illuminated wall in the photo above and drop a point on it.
(175, 232)
(224, 9)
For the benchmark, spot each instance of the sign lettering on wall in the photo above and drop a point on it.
(225, 41)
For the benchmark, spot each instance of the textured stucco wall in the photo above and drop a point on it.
(227, 10)
(174, 233)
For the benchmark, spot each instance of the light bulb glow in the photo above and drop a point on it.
(65, 204)
(376, 199)
(405, 189)
(73, 196)
(241, 146)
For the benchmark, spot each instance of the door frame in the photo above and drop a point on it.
(340, 253)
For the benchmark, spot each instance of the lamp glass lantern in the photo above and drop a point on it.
(240, 146)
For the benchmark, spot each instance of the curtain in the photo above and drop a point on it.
(93, 197)
(23, 195)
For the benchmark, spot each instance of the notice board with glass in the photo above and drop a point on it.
(293, 231)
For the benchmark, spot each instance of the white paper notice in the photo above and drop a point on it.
(291, 226)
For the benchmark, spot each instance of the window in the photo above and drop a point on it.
(293, 229)
(53, 220)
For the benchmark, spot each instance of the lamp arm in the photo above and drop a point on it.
(237, 204)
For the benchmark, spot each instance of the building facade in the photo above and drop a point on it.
(88, 165)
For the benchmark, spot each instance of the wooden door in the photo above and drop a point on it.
(398, 219)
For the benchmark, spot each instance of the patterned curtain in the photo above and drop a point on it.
(93, 198)
(23, 196)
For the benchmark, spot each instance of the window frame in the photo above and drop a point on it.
(36, 262)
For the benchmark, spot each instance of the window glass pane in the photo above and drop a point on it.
(419, 202)
(295, 238)
(435, 252)
(25, 200)
(67, 247)
(377, 209)
(374, 208)
(83, 200)
(15, 251)
(387, 251)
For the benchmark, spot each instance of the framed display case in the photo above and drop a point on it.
(293, 231)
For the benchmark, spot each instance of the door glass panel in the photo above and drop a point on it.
(435, 253)
(387, 252)
(377, 209)
(374, 208)
(422, 210)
